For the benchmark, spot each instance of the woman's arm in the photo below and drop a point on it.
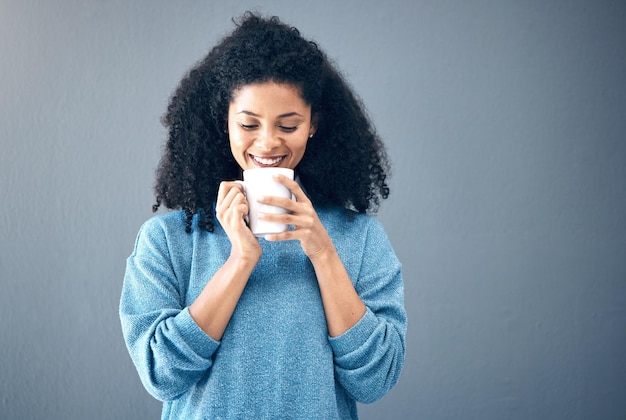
(169, 350)
(365, 315)
(342, 305)
(369, 356)
(171, 345)
(216, 303)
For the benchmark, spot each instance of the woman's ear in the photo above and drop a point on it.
(313, 129)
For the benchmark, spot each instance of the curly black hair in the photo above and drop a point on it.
(345, 164)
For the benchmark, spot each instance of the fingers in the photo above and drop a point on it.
(301, 216)
(300, 211)
(298, 220)
(293, 186)
(229, 195)
(284, 203)
(228, 191)
(292, 205)
(231, 206)
(308, 229)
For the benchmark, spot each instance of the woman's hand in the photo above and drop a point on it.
(309, 230)
(231, 209)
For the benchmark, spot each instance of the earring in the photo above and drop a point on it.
(310, 136)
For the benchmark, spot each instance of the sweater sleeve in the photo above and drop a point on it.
(370, 355)
(169, 350)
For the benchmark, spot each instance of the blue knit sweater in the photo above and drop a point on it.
(275, 359)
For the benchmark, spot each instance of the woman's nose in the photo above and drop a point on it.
(267, 139)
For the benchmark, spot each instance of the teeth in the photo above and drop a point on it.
(267, 161)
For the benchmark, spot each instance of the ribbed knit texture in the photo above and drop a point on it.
(275, 359)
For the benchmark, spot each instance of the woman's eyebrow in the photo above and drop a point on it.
(288, 114)
(249, 113)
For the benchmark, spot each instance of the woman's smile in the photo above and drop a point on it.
(263, 161)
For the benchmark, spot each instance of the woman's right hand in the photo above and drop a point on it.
(231, 209)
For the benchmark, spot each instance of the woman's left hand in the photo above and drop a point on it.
(309, 230)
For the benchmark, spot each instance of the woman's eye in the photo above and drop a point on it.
(248, 126)
(288, 129)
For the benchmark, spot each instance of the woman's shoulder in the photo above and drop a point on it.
(164, 227)
(165, 234)
(170, 221)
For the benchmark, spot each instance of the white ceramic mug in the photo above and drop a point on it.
(258, 182)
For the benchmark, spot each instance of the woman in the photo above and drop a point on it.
(300, 324)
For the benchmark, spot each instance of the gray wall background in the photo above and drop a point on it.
(506, 124)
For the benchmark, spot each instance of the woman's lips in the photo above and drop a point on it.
(267, 160)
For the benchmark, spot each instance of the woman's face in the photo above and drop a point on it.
(269, 124)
